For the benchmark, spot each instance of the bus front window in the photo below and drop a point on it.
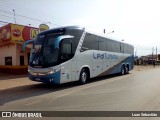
(35, 51)
(50, 51)
(45, 51)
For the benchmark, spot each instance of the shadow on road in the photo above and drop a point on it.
(4, 76)
(103, 77)
(26, 91)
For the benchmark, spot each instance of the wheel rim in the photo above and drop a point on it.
(83, 76)
(122, 70)
(126, 70)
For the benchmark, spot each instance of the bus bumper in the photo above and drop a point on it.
(49, 78)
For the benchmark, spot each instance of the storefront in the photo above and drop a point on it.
(12, 36)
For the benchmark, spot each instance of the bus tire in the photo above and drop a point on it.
(126, 70)
(83, 76)
(123, 70)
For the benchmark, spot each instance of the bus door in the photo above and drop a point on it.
(74, 69)
(66, 55)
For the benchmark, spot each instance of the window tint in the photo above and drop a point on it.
(66, 51)
(77, 33)
(90, 42)
(128, 49)
(113, 46)
(96, 42)
(122, 48)
(101, 43)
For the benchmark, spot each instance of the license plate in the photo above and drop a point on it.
(37, 79)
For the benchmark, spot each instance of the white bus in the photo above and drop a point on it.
(71, 53)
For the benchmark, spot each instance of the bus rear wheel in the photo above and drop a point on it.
(83, 76)
(126, 70)
(122, 70)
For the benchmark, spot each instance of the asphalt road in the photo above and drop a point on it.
(137, 91)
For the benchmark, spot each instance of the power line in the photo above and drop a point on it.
(18, 15)
(3, 22)
(28, 11)
(24, 17)
(27, 21)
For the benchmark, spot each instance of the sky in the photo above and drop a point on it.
(136, 22)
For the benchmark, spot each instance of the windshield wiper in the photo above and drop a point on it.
(35, 57)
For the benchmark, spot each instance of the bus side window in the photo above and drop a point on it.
(66, 52)
(89, 43)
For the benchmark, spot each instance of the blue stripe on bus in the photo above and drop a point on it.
(117, 68)
(51, 78)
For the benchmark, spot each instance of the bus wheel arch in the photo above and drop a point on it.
(84, 75)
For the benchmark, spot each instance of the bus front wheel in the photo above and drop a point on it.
(83, 76)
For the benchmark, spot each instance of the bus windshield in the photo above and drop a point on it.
(45, 51)
(50, 50)
(54, 47)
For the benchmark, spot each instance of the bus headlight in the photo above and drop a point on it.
(56, 70)
(51, 72)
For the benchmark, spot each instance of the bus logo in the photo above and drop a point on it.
(104, 56)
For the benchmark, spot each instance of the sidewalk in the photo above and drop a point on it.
(143, 67)
(8, 82)
(5, 76)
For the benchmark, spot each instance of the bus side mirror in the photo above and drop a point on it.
(25, 43)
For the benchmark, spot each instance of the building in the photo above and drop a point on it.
(148, 59)
(12, 36)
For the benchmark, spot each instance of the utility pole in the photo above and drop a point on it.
(152, 54)
(156, 53)
(14, 16)
(136, 53)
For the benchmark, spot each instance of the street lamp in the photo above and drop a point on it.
(110, 32)
(104, 31)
